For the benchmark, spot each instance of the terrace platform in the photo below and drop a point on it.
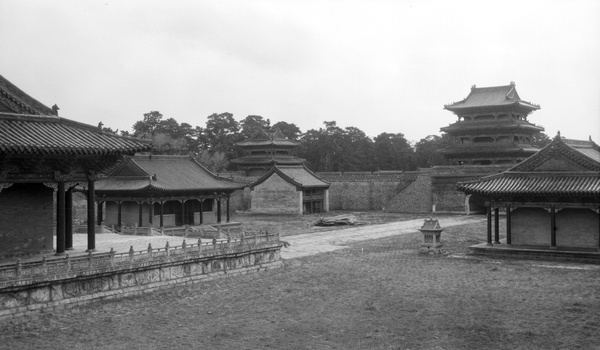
(571, 254)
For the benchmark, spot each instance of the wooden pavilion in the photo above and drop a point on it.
(551, 200)
(43, 157)
(163, 191)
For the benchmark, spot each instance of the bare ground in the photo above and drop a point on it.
(377, 294)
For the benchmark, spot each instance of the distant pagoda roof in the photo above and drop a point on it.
(283, 160)
(489, 97)
(268, 137)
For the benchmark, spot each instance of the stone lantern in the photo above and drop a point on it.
(431, 230)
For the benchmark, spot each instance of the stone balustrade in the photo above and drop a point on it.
(32, 286)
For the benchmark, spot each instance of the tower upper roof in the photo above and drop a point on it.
(494, 96)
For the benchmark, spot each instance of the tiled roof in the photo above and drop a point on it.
(584, 154)
(298, 175)
(270, 137)
(164, 173)
(29, 134)
(491, 96)
(528, 184)
(15, 100)
(562, 168)
(287, 160)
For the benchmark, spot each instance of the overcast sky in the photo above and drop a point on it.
(380, 66)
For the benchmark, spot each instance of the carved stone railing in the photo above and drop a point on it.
(56, 268)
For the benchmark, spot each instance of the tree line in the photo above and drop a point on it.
(328, 148)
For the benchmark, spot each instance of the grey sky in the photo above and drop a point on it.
(380, 66)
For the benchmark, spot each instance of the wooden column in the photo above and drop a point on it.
(496, 226)
(151, 212)
(99, 203)
(91, 229)
(489, 224)
(160, 205)
(119, 216)
(183, 212)
(219, 210)
(69, 219)
(201, 211)
(140, 212)
(552, 226)
(508, 226)
(228, 215)
(60, 218)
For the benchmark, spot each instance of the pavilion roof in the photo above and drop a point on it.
(562, 168)
(298, 175)
(52, 135)
(494, 96)
(268, 137)
(15, 100)
(164, 173)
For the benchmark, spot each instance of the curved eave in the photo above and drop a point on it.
(461, 108)
(508, 185)
(464, 128)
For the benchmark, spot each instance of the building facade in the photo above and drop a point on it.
(43, 158)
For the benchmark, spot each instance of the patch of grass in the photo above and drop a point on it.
(378, 294)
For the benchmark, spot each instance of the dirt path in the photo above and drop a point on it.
(327, 241)
(301, 245)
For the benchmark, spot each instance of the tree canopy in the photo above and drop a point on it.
(328, 148)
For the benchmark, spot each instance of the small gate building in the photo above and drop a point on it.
(289, 190)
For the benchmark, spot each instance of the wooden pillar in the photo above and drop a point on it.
(119, 216)
(151, 213)
(140, 212)
(228, 215)
(99, 203)
(91, 229)
(60, 218)
(201, 211)
(69, 219)
(160, 205)
(552, 226)
(489, 224)
(183, 212)
(219, 210)
(496, 226)
(508, 226)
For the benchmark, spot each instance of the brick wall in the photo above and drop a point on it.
(530, 226)
(365, 191)
(577, 228)
(415, 198)
(276, 196)
(26, 220)
(445, 196)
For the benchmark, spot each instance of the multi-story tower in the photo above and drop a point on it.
(492, 127)
(265, 149)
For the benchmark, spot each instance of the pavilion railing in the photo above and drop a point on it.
(29, 270)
